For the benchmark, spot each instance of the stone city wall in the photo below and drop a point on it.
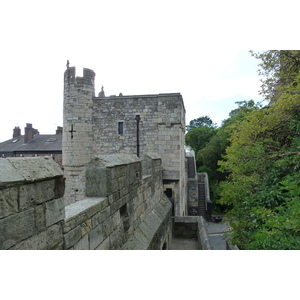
(31, 204)
(192, 227)
(193, 192)
(124, 208)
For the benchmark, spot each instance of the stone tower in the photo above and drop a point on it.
(77, 142)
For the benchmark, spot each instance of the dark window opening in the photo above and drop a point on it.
(124, 217)
(169, 193)
(121, 127)
(123, 211)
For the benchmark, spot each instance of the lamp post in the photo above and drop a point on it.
(137, 118)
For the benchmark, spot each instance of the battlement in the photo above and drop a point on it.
(125, 207)
(88, 76)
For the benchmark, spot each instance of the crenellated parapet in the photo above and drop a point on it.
(88, 76)
(124, 207)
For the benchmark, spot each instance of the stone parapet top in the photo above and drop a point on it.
(111, 160)
(186, 219)
(112, 97)
(141, 96)
(28, 169)
(80, 206)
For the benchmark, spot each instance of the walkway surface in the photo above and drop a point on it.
(215, 233)
(184, 244)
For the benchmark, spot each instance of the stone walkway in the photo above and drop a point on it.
(215, 233)
(184, 244)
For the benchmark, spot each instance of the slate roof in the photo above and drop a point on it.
(41, 143)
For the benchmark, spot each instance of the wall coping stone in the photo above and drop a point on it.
(140, 96)
(82, 210)
(9, 174)
(30, 169)
(111, 160)
(152, 155)
(203, 238)
(76, 208)
(186, 219)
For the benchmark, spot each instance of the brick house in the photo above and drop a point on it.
(32, 143)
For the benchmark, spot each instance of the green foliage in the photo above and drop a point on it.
(210, 142)
(253, 159)
(200, 122)
(263, 164)
(281, 227)
(208, 156)
(200, 132)
(278, 68)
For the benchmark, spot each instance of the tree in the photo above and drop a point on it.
(200, 122)
(198, 137)
(263, 164)
(199, 133)
(278, 68)
(209, 156)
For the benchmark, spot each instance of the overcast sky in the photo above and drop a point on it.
(134, 47)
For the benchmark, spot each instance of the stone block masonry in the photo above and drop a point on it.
(161, 131)
(31, 204)
(133, 125)
(77, 140)
(124, 207)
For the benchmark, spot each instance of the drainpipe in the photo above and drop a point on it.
(137, 118)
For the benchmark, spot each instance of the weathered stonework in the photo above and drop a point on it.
(31, 208)
(126, 199)
(133, 125)
(77, 130)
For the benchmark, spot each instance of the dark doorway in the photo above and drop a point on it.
(164, 246)
(169, 194)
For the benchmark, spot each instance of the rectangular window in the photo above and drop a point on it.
(121, 127)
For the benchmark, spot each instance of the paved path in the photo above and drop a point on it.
(184, 244)
(216, 234)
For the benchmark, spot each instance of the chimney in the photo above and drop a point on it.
(17, 132)
(29, 133)
(59, 130)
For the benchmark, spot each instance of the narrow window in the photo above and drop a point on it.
(124, 217)
(121, 127)
(164, 246)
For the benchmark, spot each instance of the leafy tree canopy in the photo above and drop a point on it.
(263, 165)
(200, 122)
(198, 137)
(278, 68)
